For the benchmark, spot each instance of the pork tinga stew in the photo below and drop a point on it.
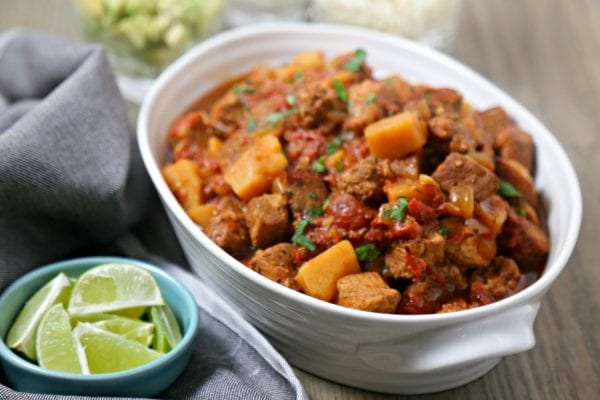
(377, 195)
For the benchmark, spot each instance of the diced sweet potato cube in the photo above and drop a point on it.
(201, 214)
(367, 291)
(253, 173)
(396, 136)
(318, 277)
(183, 178)
(214, 146)
(309, 60)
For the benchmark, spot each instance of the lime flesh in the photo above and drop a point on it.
(56, 347)
(22, 333)
(108, 352)
(113, 288)
(167, 333)
(132, 329)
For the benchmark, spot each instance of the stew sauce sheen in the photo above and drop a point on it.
(378, 195)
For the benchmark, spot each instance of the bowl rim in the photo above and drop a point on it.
(187, 301)
(257, 31)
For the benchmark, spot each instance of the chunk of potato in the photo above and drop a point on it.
(318, 277)
(423, 189)
(183, 178)
(256, 168)
(309, 60)
(201, 214)
(214, 146)
(396, 136)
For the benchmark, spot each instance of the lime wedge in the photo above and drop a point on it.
(135, 312)
(21, 335)
(113, 287)
(56, 348)
(167, 333)
(107, 352)
(140, 331)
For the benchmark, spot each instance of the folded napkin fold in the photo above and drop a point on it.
(71, 180)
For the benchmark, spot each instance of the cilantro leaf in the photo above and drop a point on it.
(251, 125)
(340, 90)
(367, 252)
(357, 61)
(302, 240)
(507, 190)
(334, 145)
(398, 210)
(371, 98)
(444, 231)
(318, 165)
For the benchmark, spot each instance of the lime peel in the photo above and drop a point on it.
(112, 288)
(22, 333)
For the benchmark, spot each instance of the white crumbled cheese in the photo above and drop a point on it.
(430, 21)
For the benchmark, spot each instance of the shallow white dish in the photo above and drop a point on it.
(386, 353)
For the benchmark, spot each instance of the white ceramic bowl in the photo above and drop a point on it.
(386, 353)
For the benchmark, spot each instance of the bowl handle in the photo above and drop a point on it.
(492, 337)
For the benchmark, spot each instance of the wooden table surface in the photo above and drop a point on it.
(546, 54)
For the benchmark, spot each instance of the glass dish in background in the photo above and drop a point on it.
(143, 36)
(244, 12)
(431, 22)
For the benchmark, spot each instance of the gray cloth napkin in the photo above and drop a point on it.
(71, 180)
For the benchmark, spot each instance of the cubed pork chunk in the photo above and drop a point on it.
(277, 263)
(319, 106)
(459, 170)
(517, 175)
(227, 226)
(306, 192)
(525, 242)
(516, 144)
(362, 180)
(469, 243)
(367, 291)
(267, 219)
(496, 282)
(494, 119)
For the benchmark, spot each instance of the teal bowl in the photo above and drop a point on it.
(145, 381)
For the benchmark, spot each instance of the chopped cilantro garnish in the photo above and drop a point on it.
(507, 190)
(371, 98)
(457, 105)
(334, 145)
(339, 166)
(326, 203)
(243, 88)
(522, 212)
(367, 252)
(340, 90)
(318, 165)
(314, 212)
(291, 99)
(356, 62)
(427, 96)
(444, 231)
(251, 125)
(397, 211)
(276, 117)
(312, 196)
(300, 239)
